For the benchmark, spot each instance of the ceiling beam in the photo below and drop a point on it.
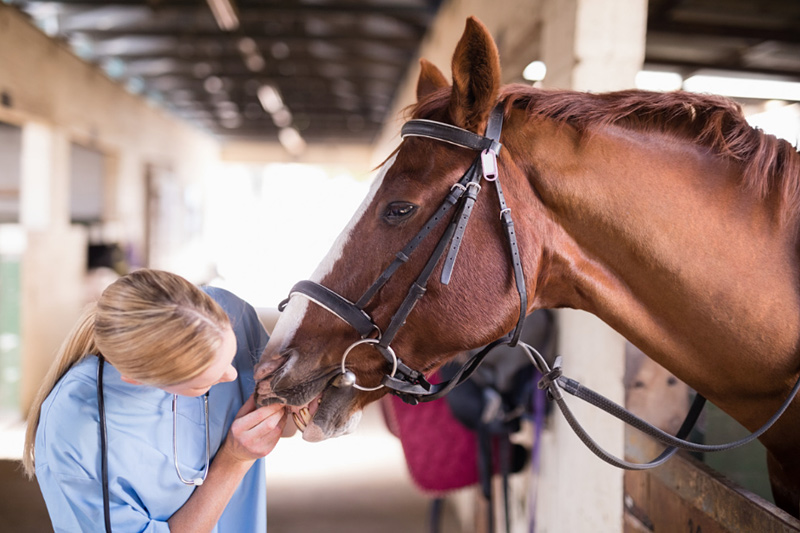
(255, 7)
(733, 66)
(297, 37)
(788, 33)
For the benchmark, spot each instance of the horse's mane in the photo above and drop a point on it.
(769, 165)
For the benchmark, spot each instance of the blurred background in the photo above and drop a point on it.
(231, 140)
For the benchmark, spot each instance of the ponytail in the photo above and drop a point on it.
(79, 343)
(153, 326)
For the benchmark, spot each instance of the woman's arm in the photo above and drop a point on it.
(253, 435)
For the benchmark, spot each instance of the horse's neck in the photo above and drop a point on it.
(663, 246)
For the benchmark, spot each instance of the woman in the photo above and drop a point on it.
(159, 342)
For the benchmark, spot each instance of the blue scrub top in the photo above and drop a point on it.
(143, 485)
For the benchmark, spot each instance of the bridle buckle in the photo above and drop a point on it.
(489, 164)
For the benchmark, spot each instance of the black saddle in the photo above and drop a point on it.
(495, 400)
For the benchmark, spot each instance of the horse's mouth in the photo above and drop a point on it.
(302, 416)
(319, 408)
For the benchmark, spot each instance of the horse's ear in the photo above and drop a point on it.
(430, 79)
(476, 77)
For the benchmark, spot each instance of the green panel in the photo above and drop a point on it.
(10, 349)
(746, 465)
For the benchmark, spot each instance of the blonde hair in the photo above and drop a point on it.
(153, 326)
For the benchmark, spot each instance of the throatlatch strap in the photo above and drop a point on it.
(516, 261)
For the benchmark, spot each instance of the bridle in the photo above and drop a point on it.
(407, 383)
(411, 385)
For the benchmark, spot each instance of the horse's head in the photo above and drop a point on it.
(303, 362)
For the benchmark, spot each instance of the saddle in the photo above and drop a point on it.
(464, 438)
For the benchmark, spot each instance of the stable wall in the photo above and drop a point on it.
(48, 85)
(58, 99)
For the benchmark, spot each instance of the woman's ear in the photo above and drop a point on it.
(132, 381)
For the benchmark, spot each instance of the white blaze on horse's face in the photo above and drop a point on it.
(292, 317)
(295, 311)
(335, 253)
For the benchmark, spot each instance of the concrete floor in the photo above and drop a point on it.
(353, 484)
(22, 508)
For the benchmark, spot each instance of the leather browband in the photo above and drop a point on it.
(449, 133)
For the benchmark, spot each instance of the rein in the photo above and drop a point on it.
(411, 385)
(554, 383)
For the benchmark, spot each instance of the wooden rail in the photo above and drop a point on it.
(686, 495)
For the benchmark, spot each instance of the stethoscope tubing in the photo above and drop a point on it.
(104, 443)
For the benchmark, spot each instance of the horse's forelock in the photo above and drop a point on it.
(433, 106)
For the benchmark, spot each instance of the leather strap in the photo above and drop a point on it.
(494, 127)
(338, 305)
(451, 134)
(493, 130)
(417, 289)
(471, 194)
(555, 383)
(456, 191)
(516, 262)
(423, 391)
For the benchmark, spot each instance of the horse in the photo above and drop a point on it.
(664, 214)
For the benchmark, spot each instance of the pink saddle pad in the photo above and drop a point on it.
(441, 454)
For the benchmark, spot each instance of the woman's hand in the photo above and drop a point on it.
(253, 435)
(255, 432)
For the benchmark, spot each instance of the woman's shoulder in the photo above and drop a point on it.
(71, 407)
(241, 313)
(79, 383)
(249, 330)
(232, 304)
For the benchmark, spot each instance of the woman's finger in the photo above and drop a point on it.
(248, 406)
(257, 417)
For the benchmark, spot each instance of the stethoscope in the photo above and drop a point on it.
(104, 442)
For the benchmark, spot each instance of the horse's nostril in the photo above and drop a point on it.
(263, 388)
(267, 367)
(261, 372)
(265, 395)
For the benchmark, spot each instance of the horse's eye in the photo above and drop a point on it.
(397, 212)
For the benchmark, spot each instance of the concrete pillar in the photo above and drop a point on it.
(578, 491)
(44, 179)
(595, 45)
(52, 287)
(54, 259)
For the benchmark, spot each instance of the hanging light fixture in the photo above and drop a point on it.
(225, 13)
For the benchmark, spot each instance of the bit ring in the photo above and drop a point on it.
(379, 348)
